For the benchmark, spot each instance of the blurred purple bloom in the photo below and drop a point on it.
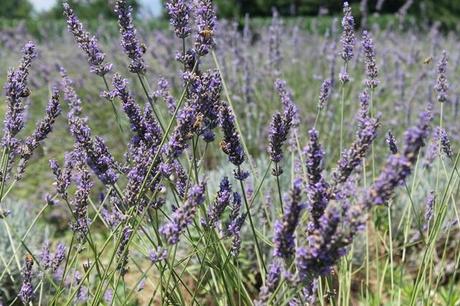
(284, 238)
(369, 57)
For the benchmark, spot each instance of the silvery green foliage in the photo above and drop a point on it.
(21, 215)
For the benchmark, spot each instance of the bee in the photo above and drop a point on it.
(29, 259)
(143, 48)
(428, 60)
(207, 33)
(198, 121)
(25, 93)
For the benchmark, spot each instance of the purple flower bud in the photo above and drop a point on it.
(158, 255)
(348, 35)
(87, 43)
(179, 17)
(222, 201)
(123, 250)
(26, 292)
(231, 143)
(15, 90)
(206, 24)
(130, 43)
(324, 93)
(284, 238)
(442, 86)
(183, 215)
(271, 283)
(369, 58)
(398, 166)
(43, 129)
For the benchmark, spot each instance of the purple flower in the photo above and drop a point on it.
(187, 122)
(183, 215)
(158, 255)
(271, 283)
(231, 143)
(129, 41)
(398, 166)
(15, 90)
(445, 143)
(222, 201)
(317, 187)
(442, 86)
(45, 256)
(324, 93)
(43, 129)
(163, 92)
(284, 239)
(290, 109)
(87, 43)
(80, 200)
(179, 17)
(82, 293)
(123, 249)
(206, 23)
(348, 34)
(97, 154)
(26, 292)
(70, 96)
(353, 156)
(58, 257)
(392, 144)
(369, 57)
(235, 224)
(278, 133)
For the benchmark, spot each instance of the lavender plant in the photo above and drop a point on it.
(178, 207)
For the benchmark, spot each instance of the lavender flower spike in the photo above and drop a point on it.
(206, 23)
(273, 279)
(222, 201)
(80, 201)
(284, 239)
(348, 34)
(278, 133)
(15, 90)
(442, 85)
(129, 41)
(183, 215)
(179, 17)
(42, 130)
(398, 166)
(231, 143)
(26, 293)
(317, 187)
(325, 93)
(87, 43)
(371, 65)
(352, 157)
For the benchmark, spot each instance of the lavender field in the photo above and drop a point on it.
(288, 162)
